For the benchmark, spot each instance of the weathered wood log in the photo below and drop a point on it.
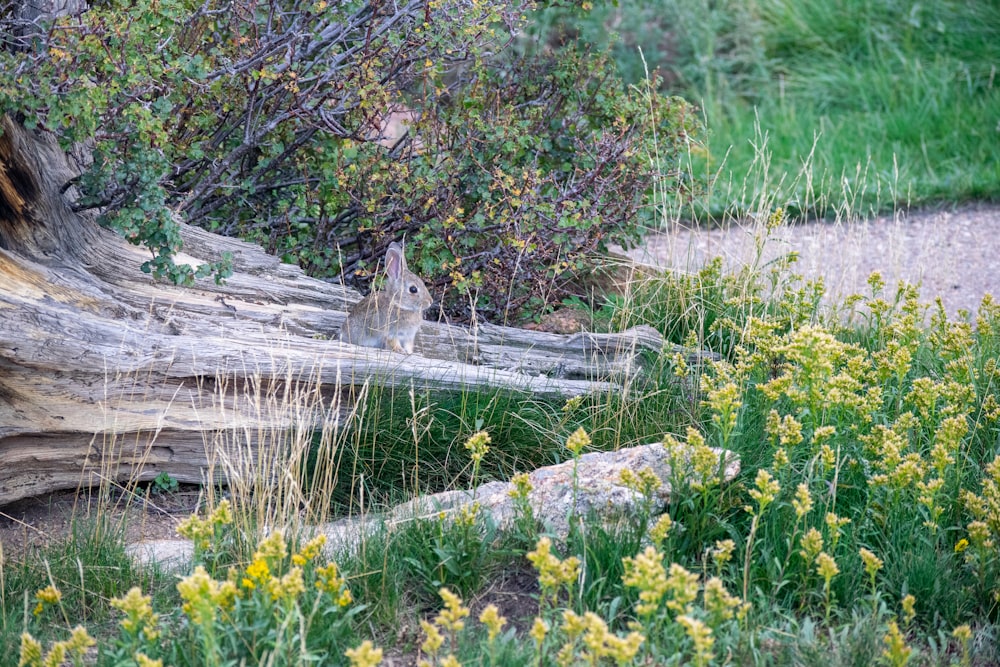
(106, 372)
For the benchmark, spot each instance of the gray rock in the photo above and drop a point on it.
(599, 491)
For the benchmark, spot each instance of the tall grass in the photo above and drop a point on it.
(897, 102)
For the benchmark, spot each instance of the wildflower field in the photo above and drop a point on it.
(862, 530)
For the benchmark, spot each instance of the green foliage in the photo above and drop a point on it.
(267, 121)
(521, 174)
(164, 483)
(851, 105)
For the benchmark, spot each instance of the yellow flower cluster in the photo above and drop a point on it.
(646, 572)
(720, 604)
(659, 531)
(494, 622)
(701, 636)
(896, 652)
(722, 553)
(645, 482)
(765, 493)
(365, 655)
(143, 660)
(202, 531)
(478, 445)
(598, 642)
(803, 502)
(310, 551)
(552, 572)
(329, 581)
(522, 486)
(139, 616)
(288, 586)
(682, 587)
(72, 649)
(49, 595)
(696, 463)
(203, 595)
(450, 619)
(577, 442)
(257, 574)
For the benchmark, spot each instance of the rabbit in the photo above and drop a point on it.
(389, 319)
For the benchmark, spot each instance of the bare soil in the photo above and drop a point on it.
(50, 519)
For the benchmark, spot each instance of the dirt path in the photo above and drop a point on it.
(954, 254)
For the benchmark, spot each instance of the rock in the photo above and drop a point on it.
(172, 555)
(599, 491)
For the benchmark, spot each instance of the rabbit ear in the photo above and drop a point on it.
(395, 263)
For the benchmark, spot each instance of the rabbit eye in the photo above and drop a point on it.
(413, 289)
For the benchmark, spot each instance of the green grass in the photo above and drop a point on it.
(88, 567)
(852, 104)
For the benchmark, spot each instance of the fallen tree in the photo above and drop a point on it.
(107, 373)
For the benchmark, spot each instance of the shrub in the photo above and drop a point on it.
(265, 121)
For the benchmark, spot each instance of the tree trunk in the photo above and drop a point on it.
(108, 374)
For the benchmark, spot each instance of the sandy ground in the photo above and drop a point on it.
(954, 253)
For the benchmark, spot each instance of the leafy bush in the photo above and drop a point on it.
(266, 121)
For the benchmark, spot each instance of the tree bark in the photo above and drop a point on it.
(109, 375)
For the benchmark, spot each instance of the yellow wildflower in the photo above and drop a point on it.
(722, 553)
(31, 651)
(522, 486)
(139, 616)
(538, 630)
(202, 595)
(834, 524)
(897, 653)
(272, 548)
(718, 602)
(908, 604)
(494, 622)
(222, 514)
(199, 531)
(365, 655)
(766, 491)
(552, 572)
(478, 444)
(803, 502)
(701, 636)
(49, 595)
(309, 552)
(432, 644)
(811, 545)
(577, 441)
(826, 566)
(258, 573)
(661, 529)
(683, 586)
(288, 587)
(450, 618)
(143, 660)
(646, 572)
(872, 562)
